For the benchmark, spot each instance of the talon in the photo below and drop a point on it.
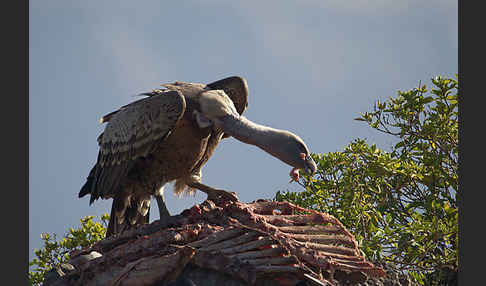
(220, 194)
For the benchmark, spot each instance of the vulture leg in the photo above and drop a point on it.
(126, 213)
(214, 194)
(163, 211)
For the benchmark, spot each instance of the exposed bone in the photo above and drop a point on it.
(258, 253)
(249, 245)
(218, 236)
(330, 248)
(316, 281)
(244, 238)
(341, 256)
(299, 219)
(273, 260)
(312, 229)
(353, 263)
(324, 239)
(275, 268)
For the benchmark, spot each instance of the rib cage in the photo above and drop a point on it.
(255, 241)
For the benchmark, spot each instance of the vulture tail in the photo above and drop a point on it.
(125, 215)
(89, 186)
(86, 189)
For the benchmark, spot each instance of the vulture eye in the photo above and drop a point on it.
(303, 156)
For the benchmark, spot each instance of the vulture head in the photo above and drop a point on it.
(292, 150)
(218, 109)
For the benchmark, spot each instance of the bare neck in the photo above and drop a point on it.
(252, 133)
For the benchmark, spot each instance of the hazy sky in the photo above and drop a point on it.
(311, 66)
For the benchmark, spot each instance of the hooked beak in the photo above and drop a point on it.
(310, 166)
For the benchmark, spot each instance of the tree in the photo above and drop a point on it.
(401, 205)
(55, 252)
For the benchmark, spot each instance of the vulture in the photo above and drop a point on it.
(168, 136)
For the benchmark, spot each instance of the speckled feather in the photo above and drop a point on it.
(133, 130)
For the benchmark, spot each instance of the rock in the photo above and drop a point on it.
(82, 259)
(66, 267)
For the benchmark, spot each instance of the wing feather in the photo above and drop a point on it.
(136, 128)
(236, 88)
(133, 131)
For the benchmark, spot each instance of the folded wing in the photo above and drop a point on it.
(132, 132)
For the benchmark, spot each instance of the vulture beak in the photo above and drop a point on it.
(310, 166)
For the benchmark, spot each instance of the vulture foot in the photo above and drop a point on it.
(221, 195)
(215, 195)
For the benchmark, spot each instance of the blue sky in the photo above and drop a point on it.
(311, 66)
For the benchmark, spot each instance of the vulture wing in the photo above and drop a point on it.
(237, 89)
(132, 132)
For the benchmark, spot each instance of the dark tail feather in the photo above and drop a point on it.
(88, 186)
(132, 215)
(86, 189)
